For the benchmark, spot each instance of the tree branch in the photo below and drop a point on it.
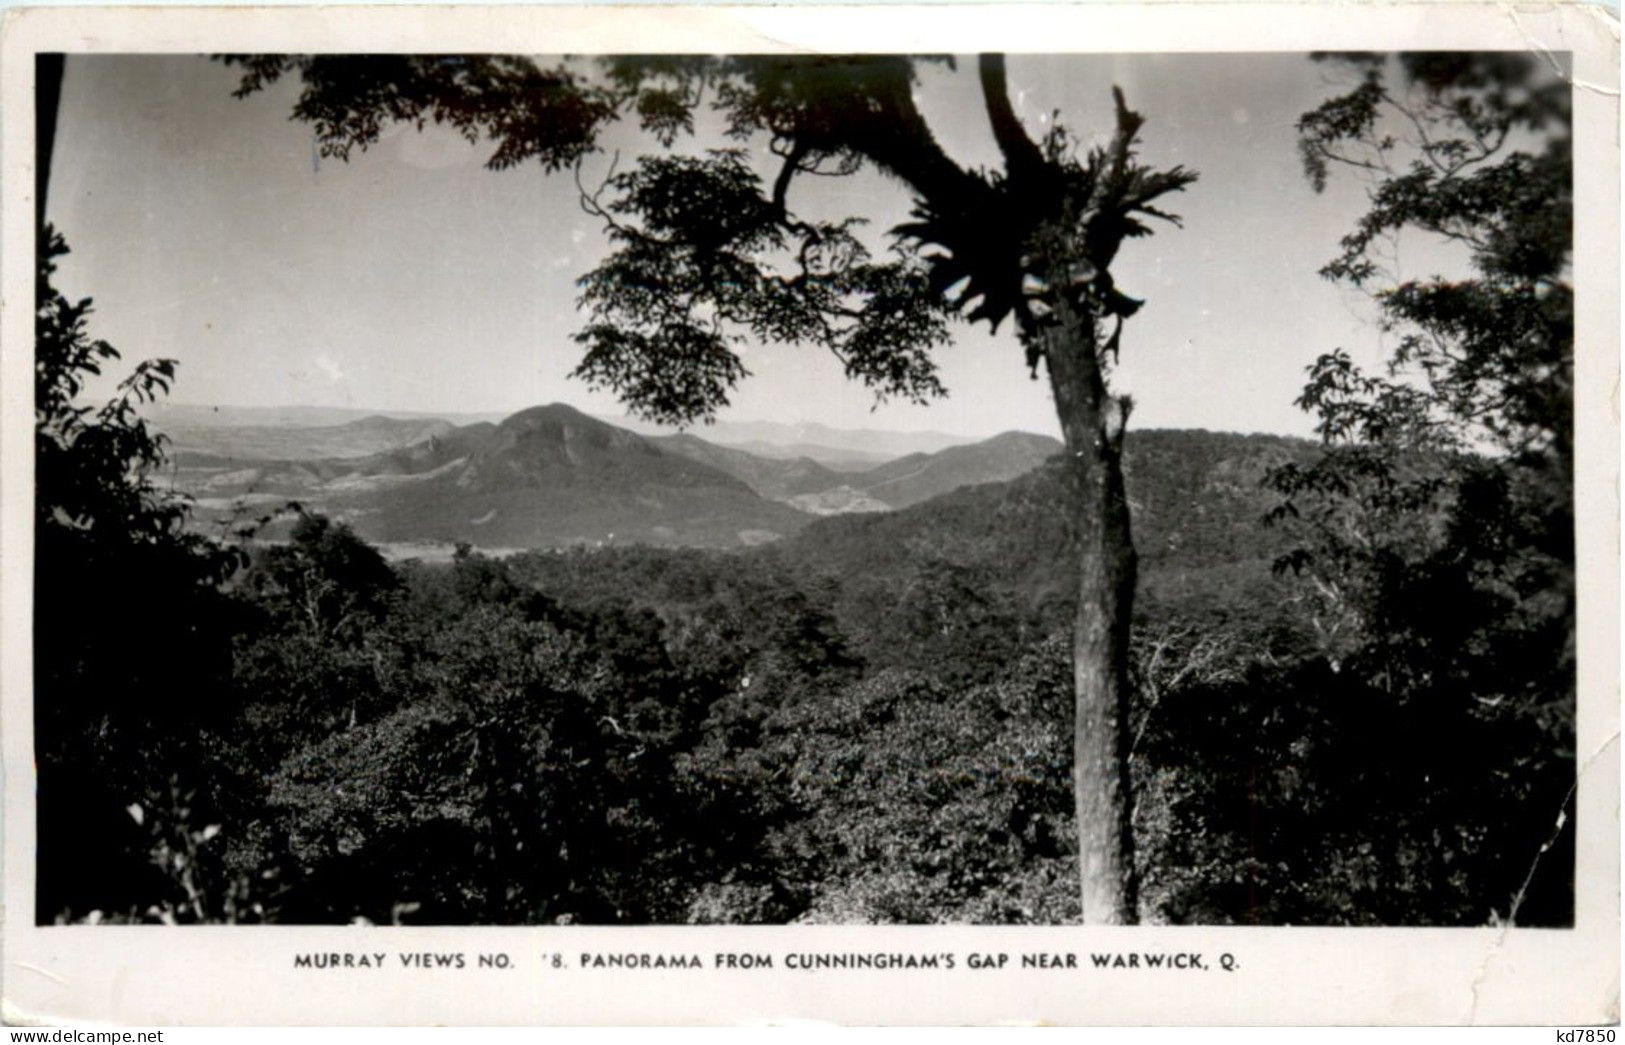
(781, 184)
(1129, 123)
(890, 132)
(1021, 155)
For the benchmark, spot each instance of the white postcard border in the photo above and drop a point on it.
(245, 975)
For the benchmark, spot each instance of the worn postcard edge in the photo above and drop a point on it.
(245, 975)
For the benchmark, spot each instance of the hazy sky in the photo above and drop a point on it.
(413, 279)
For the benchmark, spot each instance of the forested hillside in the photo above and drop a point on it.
(415, 483)
(867, 722)
(543, 477)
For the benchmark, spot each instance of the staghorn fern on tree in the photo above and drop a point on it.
(707, 257)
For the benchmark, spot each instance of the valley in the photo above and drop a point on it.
(553, 476)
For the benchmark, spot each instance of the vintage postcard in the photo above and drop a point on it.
(1038, 514)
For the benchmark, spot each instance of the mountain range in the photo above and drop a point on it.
(267, 440)
(170, 416)
(553, 476)
(840, 448)
(273, 432)
(1197, 498)
(920, 476)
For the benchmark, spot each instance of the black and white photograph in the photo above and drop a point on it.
(894, 488)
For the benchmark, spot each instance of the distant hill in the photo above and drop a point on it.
(823, 443)
(271, 442)
(1197, 505)
(553, 476)
(920, 477)
(815, 487)
(837, 459)
(545, 477)
(165, 414)
(778, 478)
(308, 432)
(927, 584)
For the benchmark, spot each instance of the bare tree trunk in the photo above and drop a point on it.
(1093, 422)
(1065, 295)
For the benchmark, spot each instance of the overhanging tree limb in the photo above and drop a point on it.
(1022, 156)
(700, 248)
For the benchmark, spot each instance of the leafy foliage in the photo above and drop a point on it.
(683, 288)
(1437, 530)
(628, 735)
(548, 115)
(1475, 150)
(109, 542)
(325, 578)
(707, 254)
